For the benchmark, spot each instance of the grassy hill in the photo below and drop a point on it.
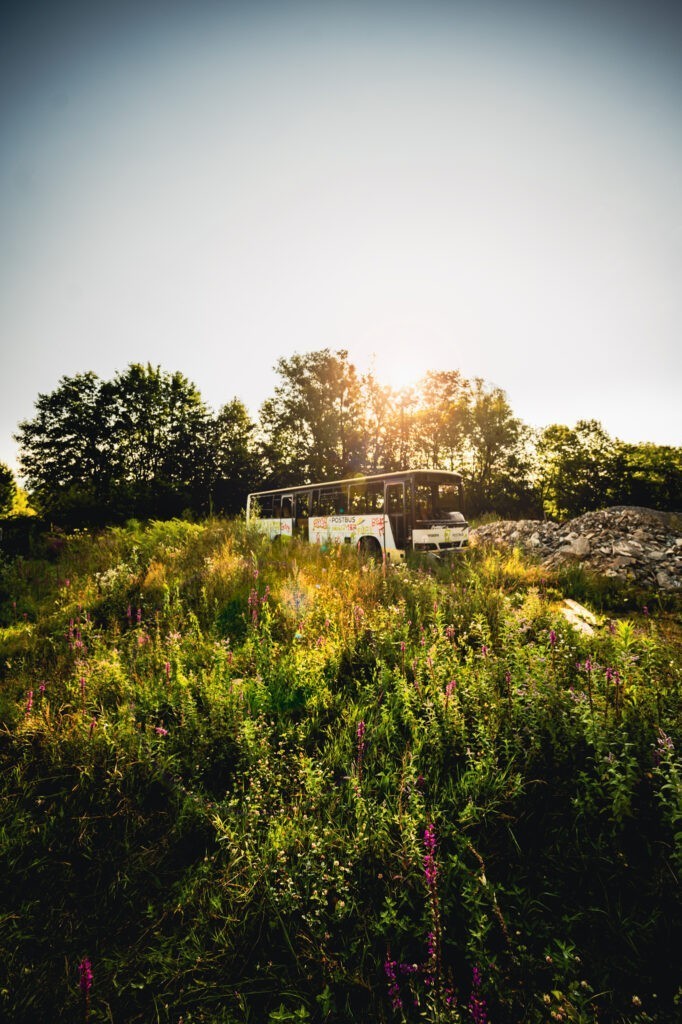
(243, 782)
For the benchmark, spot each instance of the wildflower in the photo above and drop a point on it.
(484, 651)
(93, 724)
(450, 632)
(552, 637)
(139, 616)
(29, 701)
(430, 866)
(664, 746)
(477, 1004)
(393, 986)
(449, 690)
(85, 975)
(160, 731)
(42, 688)
(82, 682)
(167, 669)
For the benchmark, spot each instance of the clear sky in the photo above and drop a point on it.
(492, 187)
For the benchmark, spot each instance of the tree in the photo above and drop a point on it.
(649, 475)
(237, 467)
(576, 468)
(66, 449)
(8, 490)
(137, 445)
(442, 420)
(160, 430)
(496, 461)
(312, 427)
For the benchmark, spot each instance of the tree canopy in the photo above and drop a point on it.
(145, 444)
(8, 489)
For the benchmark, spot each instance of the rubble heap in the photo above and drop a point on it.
(638, 545)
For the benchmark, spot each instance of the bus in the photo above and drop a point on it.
(384, 515)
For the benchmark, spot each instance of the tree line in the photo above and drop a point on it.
(145, 444)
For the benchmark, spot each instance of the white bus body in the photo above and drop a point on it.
(385, 514)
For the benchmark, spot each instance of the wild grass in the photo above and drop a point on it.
(244, 782)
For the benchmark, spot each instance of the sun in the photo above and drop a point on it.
(398, 370)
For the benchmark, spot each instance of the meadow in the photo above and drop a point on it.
(244, 782)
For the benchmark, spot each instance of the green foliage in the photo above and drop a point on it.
(8, 490)
(219, 759)
(102, 450)
(584, 469)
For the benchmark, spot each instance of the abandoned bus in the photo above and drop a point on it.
(384, 515)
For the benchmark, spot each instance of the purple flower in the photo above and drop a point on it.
(160, 731)
(167, 669)
(552, 637)
(85, 975)
(477, 1004)
(29, 701)
(430, 865)
(42, 688)
(484, 651)
(393, 986)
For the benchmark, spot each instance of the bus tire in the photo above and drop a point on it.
(369, 547)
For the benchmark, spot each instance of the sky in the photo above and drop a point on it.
(493, 187)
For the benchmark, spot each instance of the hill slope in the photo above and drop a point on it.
(252, 783)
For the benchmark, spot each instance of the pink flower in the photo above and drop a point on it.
(160, 731)
(29, 701)
(85, 975)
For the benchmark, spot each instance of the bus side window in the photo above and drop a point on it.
(264, 506)
(286, 508)
(375, 497)
(326, 503)
(394, 494)
(357, 504)
(303, 505)
(277, 507)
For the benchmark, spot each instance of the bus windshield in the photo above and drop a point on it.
(436, 501)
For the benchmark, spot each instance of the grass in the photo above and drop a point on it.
(257, 783)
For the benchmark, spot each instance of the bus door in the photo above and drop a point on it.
(395, 507)
(287, 519)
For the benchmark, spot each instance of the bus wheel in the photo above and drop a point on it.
(369, 547)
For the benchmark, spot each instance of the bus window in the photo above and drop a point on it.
(394, 498)
(303, 505)
(357, 504)
(448, 499)
(423, 502)
(333, 503)
(375, 497)
(264, 506)
(286, 506)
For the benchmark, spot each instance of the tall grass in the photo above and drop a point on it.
(244, 782)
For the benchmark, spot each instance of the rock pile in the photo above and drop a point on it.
(635, 544)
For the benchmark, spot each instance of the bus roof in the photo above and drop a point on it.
(435, 475)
